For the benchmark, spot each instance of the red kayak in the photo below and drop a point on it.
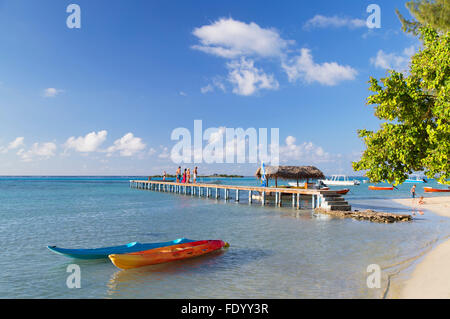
(380, 188)
(435, 190)
(343, 191)
(166, 254)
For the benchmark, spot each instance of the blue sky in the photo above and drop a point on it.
(104, 99)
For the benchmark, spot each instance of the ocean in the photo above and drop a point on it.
(275, 252)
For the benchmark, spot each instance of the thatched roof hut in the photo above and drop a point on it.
(291, 172)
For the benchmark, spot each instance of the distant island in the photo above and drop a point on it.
(223, 175)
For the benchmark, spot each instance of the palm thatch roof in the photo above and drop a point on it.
(291, 172)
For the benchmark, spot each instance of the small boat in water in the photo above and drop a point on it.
(343, 191)
(293, 185)
(340, 180)
(416, 179)
(435, 190)
(380, 188)
(100, 253)
(166, 254)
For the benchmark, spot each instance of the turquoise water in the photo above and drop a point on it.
(274, 253)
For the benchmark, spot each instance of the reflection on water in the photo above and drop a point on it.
(123, 278)
(205, 266)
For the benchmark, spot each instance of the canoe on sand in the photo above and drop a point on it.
(166, 254)
(435, 190)
(380, 188)
(100, 253)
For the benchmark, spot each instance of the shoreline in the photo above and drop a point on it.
(431, 277)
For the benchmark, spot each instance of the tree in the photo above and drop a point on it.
(435, 13)
(415, 108)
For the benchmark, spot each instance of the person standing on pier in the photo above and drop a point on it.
(195, 174)
(164, 176)
(184, 177)
(178, 174)
(188, 176)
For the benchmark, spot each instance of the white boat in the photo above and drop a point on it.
(415, 179)
(294, 184)
(340, 180)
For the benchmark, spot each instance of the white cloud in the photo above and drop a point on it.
(328, 73)
(52, 92)
(206, 89)
(392, 60)
(16, 143)
(229, 38)
(165, 153)
(151, 151)
(220, 145)
(88, 143)
(182, 93)
(320, 21)
(242, 43)
(217, 83)
(44, 150)
(290, 140)
(305, 152)
(12, 145)
(247, 79)
(127, 145)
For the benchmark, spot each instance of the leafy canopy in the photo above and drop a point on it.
(434, 13)
(415, 108)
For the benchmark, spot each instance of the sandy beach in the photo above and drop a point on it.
(431, 278)
(438, 205)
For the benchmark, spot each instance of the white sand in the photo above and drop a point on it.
(438, 205)
(431, 278)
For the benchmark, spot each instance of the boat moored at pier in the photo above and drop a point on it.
(340, 180)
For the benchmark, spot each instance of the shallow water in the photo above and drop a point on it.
(274, 253)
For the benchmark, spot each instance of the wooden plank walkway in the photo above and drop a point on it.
(318, 197)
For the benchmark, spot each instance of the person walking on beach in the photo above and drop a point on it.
(178, 174)
(184, 177)
(195, 174)
(413, 192)
(188, 175)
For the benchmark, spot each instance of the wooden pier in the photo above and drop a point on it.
(325, 199)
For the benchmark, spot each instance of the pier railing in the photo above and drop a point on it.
(319, 197)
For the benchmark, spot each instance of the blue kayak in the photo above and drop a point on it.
(100, 253)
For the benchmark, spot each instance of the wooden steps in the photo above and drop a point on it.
(334, 202)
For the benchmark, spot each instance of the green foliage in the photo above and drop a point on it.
(415, 108)
(434, 13)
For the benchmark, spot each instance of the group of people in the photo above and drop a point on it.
(413, 195)
(186, 176)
